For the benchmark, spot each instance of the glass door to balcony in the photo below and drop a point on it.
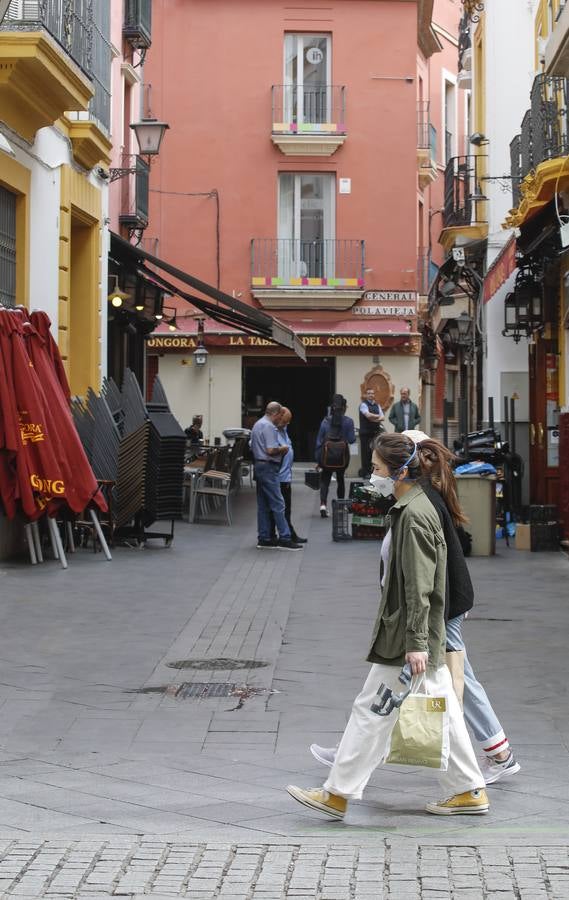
(306, 246)
(307, 79)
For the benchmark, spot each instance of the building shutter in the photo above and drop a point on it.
(7, 248)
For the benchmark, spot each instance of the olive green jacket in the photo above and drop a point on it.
(412, 606)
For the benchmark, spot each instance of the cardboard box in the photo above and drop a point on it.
(523, 537)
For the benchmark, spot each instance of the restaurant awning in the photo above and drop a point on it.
(226, 309)
(500, 270)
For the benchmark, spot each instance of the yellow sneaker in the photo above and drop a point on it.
(471, 803)
(320, 800)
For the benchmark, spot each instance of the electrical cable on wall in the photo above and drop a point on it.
(214, 194)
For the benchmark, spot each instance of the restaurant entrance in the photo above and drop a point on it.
(306, 388)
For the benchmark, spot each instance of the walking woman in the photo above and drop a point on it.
(332, 452)
(409, 628)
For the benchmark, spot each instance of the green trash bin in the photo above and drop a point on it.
(477, 495)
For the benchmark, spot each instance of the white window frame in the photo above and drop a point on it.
(300, 36)
(449, 79)
(293, 267)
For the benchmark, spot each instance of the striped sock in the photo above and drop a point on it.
(495, 744)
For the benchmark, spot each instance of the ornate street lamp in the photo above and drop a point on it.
(149, 135)
(524, 307)
(200, 354)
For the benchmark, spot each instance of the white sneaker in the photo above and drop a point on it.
(493, 770)
(324, 755)
(323, 511)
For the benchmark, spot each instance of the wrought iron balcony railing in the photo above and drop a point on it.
(544, 131)
(68, 21)
(462, 192)
(82, 29)
(314, 107)
(135, 193)
(516, 167)
(137, 27)
(282, 263)
(426, 133)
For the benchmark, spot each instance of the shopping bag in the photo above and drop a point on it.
(312, 479)
(455, 663)
(421, 734)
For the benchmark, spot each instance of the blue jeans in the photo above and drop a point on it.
(478, 711)
(270, 500)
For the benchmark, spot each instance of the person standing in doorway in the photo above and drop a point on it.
(371, 418)
(404, 415)
(268, 454)
(332, 453)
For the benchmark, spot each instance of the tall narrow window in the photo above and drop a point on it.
(307, 77)
(306, 226)
(450, 119)
(7, 248)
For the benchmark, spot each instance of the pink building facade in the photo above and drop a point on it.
(294, 177)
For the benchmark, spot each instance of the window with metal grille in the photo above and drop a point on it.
(7, 247)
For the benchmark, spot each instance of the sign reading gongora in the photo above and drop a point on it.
(322, 341)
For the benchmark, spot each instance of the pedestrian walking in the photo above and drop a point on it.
(268, 453)
(498, 761)
(436, 460)
(404, 415)
(285, 474)
(371, 419)
(409, 628)
(332, 451)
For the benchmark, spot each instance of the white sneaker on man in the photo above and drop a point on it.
(324, 755)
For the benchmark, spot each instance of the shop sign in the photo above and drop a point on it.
(387, 304)
(315, 341)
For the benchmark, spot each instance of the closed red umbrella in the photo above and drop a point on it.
(42, 323)
(80, 486)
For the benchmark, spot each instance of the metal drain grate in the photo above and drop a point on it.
(203, 690)
(218, 663)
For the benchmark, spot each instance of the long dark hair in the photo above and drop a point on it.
(337, 410)
(436, 463)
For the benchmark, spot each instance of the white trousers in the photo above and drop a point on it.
(364, 741)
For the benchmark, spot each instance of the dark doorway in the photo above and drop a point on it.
(306, 388)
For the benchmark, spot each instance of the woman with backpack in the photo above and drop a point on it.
(332, 452)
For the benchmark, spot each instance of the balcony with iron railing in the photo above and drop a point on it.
(464, 209)
(65, 46)
(47, 43)
(426, 145)
(331, 271)
(134, 194)
(308, 120)
(137, 26)
(544, 133)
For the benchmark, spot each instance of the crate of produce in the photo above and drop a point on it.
(341, 526)
(366, 530)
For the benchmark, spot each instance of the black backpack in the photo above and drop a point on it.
(335, 450)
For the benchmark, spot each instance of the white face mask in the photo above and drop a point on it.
(382, 485)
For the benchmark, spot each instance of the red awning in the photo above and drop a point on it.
(500, 270)
(356, 325)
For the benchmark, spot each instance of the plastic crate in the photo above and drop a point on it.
(544, 515)
(341, 510)
(368, 532)
(544, 536)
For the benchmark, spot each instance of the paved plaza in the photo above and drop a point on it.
(153, 710)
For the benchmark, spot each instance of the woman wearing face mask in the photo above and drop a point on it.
(409, 628)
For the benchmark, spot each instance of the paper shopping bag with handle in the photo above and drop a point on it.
(421, 734)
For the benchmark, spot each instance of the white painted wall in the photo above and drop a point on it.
(350, 372)
(509, 77)
(213, 391)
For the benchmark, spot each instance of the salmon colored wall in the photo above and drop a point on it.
(211, 67)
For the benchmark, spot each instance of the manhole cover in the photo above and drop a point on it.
(214, 664)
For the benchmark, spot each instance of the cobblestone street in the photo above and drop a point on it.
(120, 775)
(386, 869)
